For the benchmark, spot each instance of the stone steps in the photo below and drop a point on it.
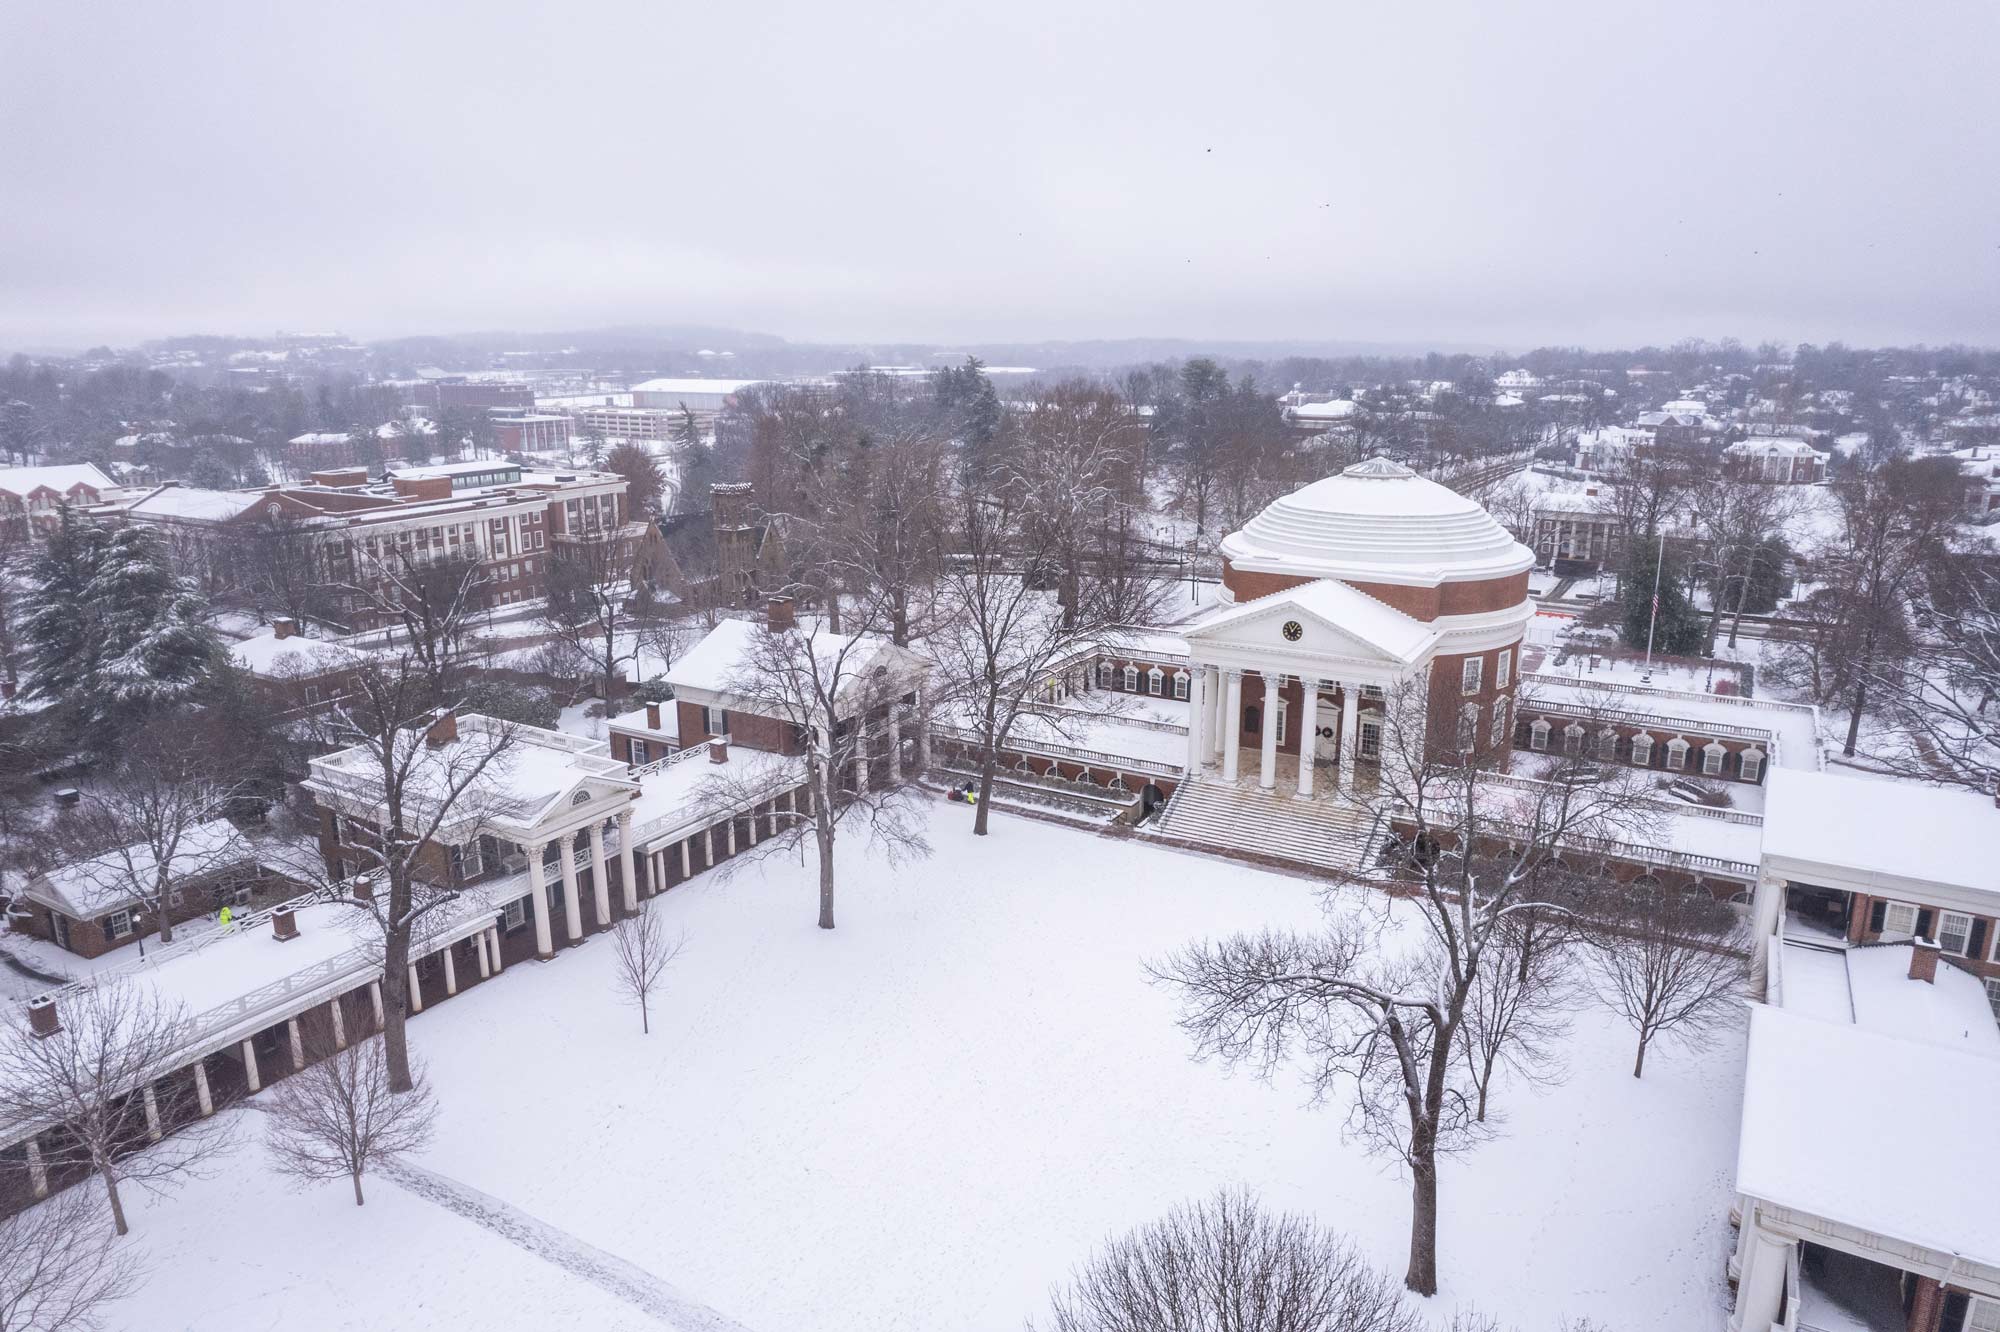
(1246, 820)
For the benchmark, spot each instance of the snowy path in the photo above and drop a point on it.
(614, 1275)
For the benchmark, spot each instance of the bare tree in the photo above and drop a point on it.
(429, 603)
(1475, 853)
(60, 1265)
(1226, 1265)
(589, 590)
(159, 821)
(1943, 698)
(1672, 967)
(834, 693)
(340, 1117)
(1002, 645)
(642, 951)
(102, 1081)
(411, 782)
(1516, 1009)
(1738, 519)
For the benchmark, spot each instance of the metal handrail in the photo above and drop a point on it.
(1050, 749)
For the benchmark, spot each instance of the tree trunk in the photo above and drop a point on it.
(1639, 1064)
(824, 830)
(357, 1190)
(645, 1022)
(117, 1203)
(1422, 1274)
(899, 616)
(1854, 719)
(986, 765)
(395, 1004)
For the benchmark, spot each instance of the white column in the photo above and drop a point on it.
(628, 865)
(250, 1077)
(38, 1174)
(1267, 756)
(653, 873)
(339, 1023)
(1213, 724)
(375, 997)
(923, 742)
(572, 909)
(860, 756)
(479, 952)
(416, 991)
(750, 825)
(708, 847)
(1767, 908)
(450, 970)
(1308, 729)
(730, 831)
(895, 746)
(493, 942)
(1760, 1287)
(152, 1114)
(600, 885)
(538, 900)
(687, 869)
(297, 1042)
(203, 1097)
(1350, 731)
(1232, 727)
(1197, 717)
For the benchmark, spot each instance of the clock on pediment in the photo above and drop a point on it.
(1293, 631)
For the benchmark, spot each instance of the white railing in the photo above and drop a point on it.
(1067, 714)
(1050, 749)
(678, 756)
(1528, 704)
(1732, 700)
(1671, 806)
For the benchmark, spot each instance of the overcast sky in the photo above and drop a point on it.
(1504, 173)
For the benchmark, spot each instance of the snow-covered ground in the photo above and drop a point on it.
(925, 1117)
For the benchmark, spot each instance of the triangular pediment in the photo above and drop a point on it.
(1323, 618)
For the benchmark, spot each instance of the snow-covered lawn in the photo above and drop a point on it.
(922, 1119)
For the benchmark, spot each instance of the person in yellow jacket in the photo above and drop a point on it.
(227, 921)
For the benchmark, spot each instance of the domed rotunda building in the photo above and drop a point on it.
(1338, 593)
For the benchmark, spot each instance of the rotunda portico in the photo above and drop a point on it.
(1339, 593)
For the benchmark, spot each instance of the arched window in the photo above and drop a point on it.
(1154, 678)
(1711, 759)
(1753, 765)
(1573, 738)
(1642, 750)
(1607, 745)
(1181, 685)
(1677, 754)
(1131, 679)
(1104, 675)
(1538, 734)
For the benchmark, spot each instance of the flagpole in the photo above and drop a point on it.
(1659, 567)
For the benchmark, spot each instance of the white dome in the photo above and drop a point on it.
(1378, 522)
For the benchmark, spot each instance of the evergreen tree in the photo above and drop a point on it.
(694, 465)
(1679, 629)
(58, 636)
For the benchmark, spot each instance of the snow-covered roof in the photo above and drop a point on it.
(696, 789)
(1772, 447)
(24, 481)
(1870, 986)
(195, 504)
(1342, 612)
(723, 662)
(1378, 522)
(1337, 410)
(453, 469)
(1885, 834)
(90, 888)
(1813, 1090)
(692, 386)
(636, 722)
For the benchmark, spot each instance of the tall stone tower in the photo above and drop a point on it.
(735, 541)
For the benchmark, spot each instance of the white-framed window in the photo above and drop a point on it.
(1469, 674)
(1954, 932)
(1181, 685)
(1154, 679)
(514, 915)
(1982, 1314)
(638, 752)
(1503, 669)
(1607, 745)
(1677, 754)
(118, 925)
(1642, 749)
(1281, 721)
(1711, 759)
(1131, 679)
(1899, 918)
(1538, 734)
(1371, 737)
(1499, 732)
(1104, 675)
(1573, 738)
(1468, 727)
(1993, 994)
(1753, 764)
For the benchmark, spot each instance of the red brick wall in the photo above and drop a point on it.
(1861, 910)
(1421, 603)
(1731, 763)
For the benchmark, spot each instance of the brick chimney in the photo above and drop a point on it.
(652, 716)
(718, 750)
(364, 888)
(1923, 961)
(443, 729)
(778, 615)
(283, 626)
(284, 926)
(42, 1020)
